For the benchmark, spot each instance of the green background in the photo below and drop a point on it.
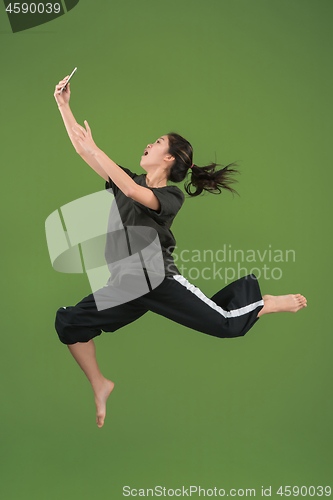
(247, 81)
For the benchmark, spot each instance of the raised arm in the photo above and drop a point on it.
(62, 100)
(125, 183)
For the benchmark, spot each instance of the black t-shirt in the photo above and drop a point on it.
(133, 213)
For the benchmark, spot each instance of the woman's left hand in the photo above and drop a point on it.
(83, 136)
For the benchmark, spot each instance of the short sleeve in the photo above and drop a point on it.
(171, 199)
(110, 184)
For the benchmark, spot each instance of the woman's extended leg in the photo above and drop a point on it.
(85, 355)
(231, 312)
(282, 303)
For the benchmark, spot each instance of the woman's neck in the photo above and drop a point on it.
(156, 179)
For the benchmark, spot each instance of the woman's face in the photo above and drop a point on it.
(156, 153)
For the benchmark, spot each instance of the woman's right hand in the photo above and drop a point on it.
(62, 98)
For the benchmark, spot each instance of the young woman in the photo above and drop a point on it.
(148, 200)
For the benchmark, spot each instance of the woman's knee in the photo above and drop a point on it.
(69, 328)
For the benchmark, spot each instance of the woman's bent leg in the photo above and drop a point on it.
(85, 355)
(78, 325)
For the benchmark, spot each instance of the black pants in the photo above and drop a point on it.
(231, 312)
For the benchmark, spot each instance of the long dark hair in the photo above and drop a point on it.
(202, 178)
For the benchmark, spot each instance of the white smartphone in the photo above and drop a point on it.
(70, 76)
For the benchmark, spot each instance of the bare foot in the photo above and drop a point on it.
(101, 397)
(283, 303)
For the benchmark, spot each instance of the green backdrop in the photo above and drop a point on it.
(243, 80)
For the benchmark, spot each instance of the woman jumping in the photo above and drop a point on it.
(148, 201)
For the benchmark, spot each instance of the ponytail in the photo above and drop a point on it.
(202, 178)
(211, 180)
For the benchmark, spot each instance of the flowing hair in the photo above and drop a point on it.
(206, 178)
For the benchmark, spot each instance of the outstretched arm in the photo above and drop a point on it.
(125, 183)
(62, 100)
